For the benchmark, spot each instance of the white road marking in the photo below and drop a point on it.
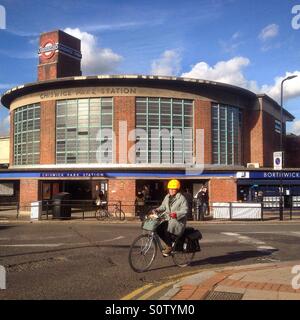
(114, 239)
(59, 244)
(265, 248)
(33, 245)
(261, 245)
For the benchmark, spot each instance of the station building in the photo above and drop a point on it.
(67, 134)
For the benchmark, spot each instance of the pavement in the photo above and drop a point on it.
(251, 282)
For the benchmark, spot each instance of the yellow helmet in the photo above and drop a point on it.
(174, 184)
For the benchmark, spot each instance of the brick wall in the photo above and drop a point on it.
(125, 191)
(29, 192)
(222, 190)
(203, 121)
(48, 145)
(124, 110)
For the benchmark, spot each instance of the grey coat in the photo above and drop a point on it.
(180, 207)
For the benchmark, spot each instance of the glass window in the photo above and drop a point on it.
(27, 135)
(168, 124)
(226, 129)
(84, 130)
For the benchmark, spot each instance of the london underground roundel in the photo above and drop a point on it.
(47, 50)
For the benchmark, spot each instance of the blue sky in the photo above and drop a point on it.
(246, 43)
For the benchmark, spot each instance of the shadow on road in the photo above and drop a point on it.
(4, 227)
(233, 257)
(224, 259)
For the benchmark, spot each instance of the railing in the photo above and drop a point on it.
(223, 211)
(10, 206)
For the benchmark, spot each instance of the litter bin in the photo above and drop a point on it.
(61, 206)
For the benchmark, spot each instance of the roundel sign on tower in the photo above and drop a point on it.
(47, 49)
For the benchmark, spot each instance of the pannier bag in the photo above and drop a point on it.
(192, 234)
(189, 242)
(193, 237)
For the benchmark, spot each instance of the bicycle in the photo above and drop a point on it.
(103, 213)
(144, 250)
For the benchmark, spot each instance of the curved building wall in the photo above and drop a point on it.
(87, 130)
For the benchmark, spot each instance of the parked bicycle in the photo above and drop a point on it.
(144, 248)
(103, 213)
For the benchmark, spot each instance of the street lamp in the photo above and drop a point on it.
(281, 144)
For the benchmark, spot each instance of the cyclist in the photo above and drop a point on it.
(173, 209)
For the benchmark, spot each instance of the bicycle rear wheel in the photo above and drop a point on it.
(183, 258)
(119, 214)
(142, 253)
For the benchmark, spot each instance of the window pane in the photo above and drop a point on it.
(27, 131)
(83, 120)
(165, 114)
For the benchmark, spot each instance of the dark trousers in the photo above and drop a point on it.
(166, 236)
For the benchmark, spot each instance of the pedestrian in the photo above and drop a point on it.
(101, 199)
(174, 210)
(189, 198)
(146, 192)
(140, 205)
(202, 203)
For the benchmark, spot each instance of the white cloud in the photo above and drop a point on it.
(230, 72)
(168, 64)
(269, 32)
(291, 88)
(4, 126)
(95, 60)
(296, 127)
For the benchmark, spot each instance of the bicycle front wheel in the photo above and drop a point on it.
(142, 253)
(119, 214)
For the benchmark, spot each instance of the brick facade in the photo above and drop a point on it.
(124, 191)
(124, 110)
(29, 192)
(222, 190)
(47, 133)
(202, 114)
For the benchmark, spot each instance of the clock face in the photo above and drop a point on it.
(47, 49)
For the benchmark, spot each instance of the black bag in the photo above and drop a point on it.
(192, 234)
(189, 241)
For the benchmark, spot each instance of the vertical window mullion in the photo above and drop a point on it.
(159, 131)
(148, 131)
(219, 136)
(182, 132)
(172, 137)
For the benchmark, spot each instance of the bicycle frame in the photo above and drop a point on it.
(155, 237)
